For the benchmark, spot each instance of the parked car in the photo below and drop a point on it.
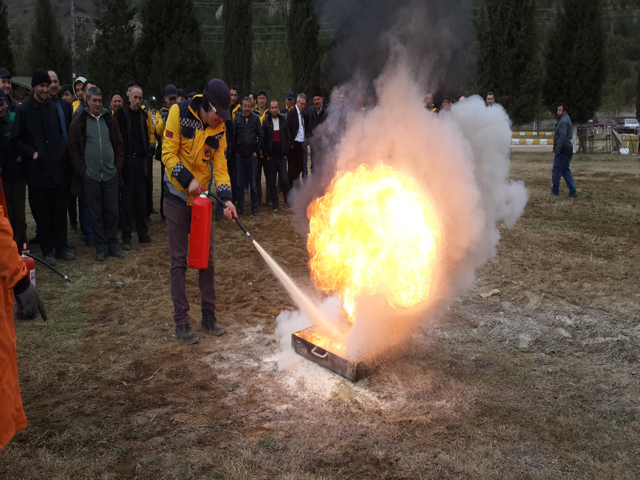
(627, 125)
(604, 122)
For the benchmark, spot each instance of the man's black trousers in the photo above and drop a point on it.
(296, 159)
(49, 210)
(102, 203)
(134, 200)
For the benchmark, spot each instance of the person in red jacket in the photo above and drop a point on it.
(14, 285)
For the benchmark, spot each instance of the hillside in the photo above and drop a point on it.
(21, 14)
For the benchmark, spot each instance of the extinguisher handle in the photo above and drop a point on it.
(235, 219)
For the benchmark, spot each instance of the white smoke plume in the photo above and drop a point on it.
(460, 160)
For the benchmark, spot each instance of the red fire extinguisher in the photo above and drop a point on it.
(201, 211)
(31, 265)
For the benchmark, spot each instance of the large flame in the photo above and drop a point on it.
(374, 232)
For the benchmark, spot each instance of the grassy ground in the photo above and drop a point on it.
(538, 382)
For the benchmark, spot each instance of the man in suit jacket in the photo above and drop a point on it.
(296, 123)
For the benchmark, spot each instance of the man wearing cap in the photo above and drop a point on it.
(170, 99)
(193, 146)
(234, 108)
(116, 101)
(5, 82)
(78, 92)
(261, 107)
(13, 174)
(290, 102)
(182, 96)
(316, 114)
(37, 137)
(132, 122)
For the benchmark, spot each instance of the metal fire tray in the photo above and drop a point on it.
(354, 371)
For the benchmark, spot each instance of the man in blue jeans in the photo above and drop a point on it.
(247, 142)
(563, 149)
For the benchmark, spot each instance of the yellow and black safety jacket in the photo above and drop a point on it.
(237, 108)
(284, 110)
(256, 110)
(192, 150)
(150, 125)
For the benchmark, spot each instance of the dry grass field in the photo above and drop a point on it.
(539, 382)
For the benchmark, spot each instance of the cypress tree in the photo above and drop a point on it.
(304, 49)
(510, 62)
(47, 47)
(237, 43)
(113, 63)
(6, 53)
(170, 47)
(575, 59)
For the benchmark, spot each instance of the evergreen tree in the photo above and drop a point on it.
(6, 53)
(304, 49)
(47, 47)
(237, 44)
(510, 62)
(170, 47)
(575, 59)
(112, 63)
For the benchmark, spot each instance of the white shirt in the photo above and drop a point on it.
(300, 135)
(276, 124)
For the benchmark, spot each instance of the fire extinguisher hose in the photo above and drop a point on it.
(235, 219)
(49, 266)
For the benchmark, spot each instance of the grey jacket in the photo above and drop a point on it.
(564, 134)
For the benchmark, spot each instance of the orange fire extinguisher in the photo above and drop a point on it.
(201, 211)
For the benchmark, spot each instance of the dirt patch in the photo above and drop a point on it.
(540, 381)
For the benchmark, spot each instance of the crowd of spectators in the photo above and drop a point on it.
(86, 157)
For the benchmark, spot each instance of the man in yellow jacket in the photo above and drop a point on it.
(193, 153)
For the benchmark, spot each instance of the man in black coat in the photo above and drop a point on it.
(247, 143)
(135, 170)
(296, 122)
(37, 136)
(316, 115)
(276, 148)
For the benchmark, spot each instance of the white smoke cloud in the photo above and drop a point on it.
(459, 158)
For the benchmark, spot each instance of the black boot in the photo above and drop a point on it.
(186, 335)
(209, 322)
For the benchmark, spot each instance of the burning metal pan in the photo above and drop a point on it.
(311, 344)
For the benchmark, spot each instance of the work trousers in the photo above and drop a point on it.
(296, 160)
(102, 204)
(561, 162)
(49, 210)
(246, 168)
(134, 200)
(276, 169)
(178, 215)
(15, 194)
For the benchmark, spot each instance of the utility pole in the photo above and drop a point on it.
(73, 40)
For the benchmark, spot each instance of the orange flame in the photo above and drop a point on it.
(374, 233)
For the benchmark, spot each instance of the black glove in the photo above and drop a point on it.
(152, 149)
(29, 304)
